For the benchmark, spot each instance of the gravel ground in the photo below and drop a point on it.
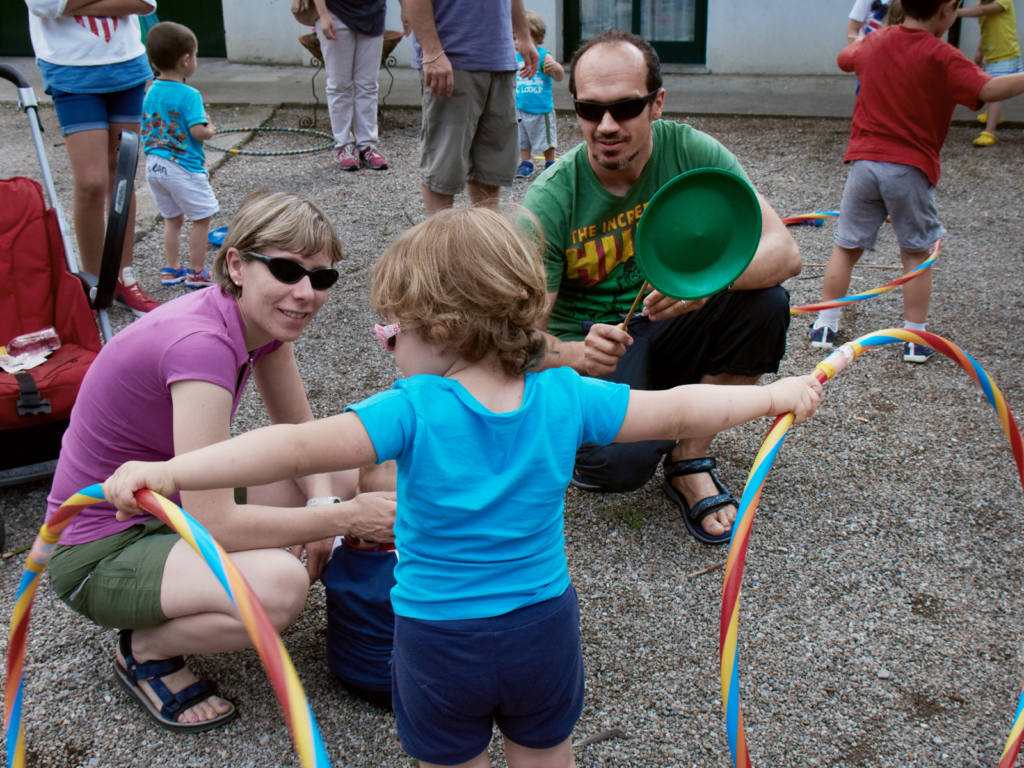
(882, 568)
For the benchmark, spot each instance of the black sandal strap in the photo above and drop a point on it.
(689, 466)
(146, 670)
(708, 505)
(176, 703)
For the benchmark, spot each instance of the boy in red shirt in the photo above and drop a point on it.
(910, 83)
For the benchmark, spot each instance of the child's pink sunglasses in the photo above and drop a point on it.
(386, 334)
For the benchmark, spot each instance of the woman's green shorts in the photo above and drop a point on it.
(115, 581)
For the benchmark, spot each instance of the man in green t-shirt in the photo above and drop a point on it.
(588, 205)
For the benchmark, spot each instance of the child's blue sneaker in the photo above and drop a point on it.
(525, 170)
(916, 353)
(548, 164)
(171, 276)
(823, 338)
(201, 279)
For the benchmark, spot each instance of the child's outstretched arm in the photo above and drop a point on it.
(694, 410)
(552, 68)
(278, 452)
(979, 10)
(1003, 87)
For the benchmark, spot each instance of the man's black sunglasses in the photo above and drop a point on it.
(626, 109)
(290, 272)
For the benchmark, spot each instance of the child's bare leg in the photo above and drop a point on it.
(197, 243)
(524, 154)
(518, 756)
(916, 293)
(549, 155)
(480, 761)
(994, 111)
(837, 273)
(172, 236)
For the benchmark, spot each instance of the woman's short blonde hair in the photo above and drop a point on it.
(276, 220)
(469, 280)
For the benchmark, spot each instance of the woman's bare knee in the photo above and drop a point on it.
(281, 585)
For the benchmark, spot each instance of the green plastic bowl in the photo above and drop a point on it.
(698, 233)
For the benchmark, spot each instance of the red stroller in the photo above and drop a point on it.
(42, 285)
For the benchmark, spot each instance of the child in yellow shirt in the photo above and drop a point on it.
(998, 54)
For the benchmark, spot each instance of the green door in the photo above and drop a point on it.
(14, 39)
(678, 29)
(205, 19)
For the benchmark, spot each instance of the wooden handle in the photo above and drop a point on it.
(632, 309)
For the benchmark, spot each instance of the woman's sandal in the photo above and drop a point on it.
(692, 516)
(174, 704)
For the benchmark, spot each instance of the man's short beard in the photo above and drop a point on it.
(614, 165)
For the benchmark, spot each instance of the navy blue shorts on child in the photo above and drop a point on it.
(452, 680)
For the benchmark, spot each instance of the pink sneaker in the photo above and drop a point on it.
(347, 160)
(132, 297)
(372, 159)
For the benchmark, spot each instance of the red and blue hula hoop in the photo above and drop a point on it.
(803, 309)
(729, 626)
(298, 715)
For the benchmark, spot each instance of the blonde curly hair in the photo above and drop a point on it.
(469, 280)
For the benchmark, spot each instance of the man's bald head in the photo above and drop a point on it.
(620, 37)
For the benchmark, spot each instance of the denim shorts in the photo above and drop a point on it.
(96, 111)
(452, 680)
(1003, 67)
(874, 190)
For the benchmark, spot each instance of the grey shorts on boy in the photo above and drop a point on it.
(876, 189)
(537, 132)
(177, 190)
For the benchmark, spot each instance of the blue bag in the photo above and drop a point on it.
(360, 620)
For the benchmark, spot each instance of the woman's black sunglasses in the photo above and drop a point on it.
(290, 272)
(626, 109)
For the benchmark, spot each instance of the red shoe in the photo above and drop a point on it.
(347, 159)
(132, 297)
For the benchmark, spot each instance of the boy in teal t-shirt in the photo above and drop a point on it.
(174, 127)
(535, 106)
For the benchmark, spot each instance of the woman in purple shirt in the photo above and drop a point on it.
(170, 383)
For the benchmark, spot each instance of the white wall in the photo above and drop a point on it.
(757, 37)
(268, 36)
(744, 36)
(752, 36)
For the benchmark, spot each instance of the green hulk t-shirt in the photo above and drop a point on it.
(588, 232)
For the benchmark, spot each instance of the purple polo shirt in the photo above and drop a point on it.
(123, 411)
